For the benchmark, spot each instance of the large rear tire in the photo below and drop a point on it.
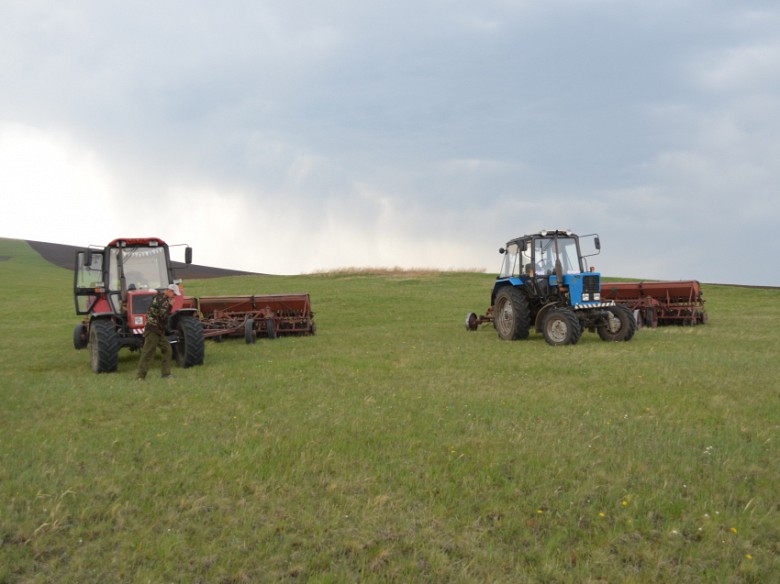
(511, 316)
(190, 345)
(620, 324)
(104, 346)
(561, 327)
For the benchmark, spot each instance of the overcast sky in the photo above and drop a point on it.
(289, 137)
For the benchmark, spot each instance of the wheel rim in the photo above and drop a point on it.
(505, 316)
(613, 323)
(557, 330)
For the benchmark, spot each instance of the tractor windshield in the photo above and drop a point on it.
(544, 255)
(145, 268)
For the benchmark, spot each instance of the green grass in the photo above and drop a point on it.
(393, 446)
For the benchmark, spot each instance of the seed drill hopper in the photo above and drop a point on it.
(255, 316)
(659, 303)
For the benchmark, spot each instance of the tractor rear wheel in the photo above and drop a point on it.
(511, 316)
(189, 348)
(104, 346)
(620, 324)
(561, 327)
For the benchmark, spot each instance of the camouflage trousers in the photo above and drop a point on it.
(151, 342)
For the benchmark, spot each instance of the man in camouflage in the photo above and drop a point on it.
(154, 334)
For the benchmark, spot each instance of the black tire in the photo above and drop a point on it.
(471, 321)
(561, 327)
(104, 346)
(511, 317)
(249, 331)
(650, 317)
(190, 346)
(620, 326)
(80, 339)
(270, 328)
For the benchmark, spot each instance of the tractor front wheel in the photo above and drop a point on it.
(619, 326)
(561, 327)
(189, 348)
(511, 316)
(104, 346)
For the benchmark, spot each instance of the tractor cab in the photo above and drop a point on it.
(551, 264)
(122, 277)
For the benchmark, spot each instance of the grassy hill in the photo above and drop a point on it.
(393, 446)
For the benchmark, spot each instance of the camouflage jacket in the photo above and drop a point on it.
(158, 313)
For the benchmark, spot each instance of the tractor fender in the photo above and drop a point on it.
(503, 283)
(542, 312)
(179, 313)
(100, 316)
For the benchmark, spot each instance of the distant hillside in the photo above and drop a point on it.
(63, 256)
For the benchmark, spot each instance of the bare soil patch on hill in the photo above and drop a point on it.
(64, 255)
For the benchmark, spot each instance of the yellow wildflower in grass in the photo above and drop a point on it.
(733, 530)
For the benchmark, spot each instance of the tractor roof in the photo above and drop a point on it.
(133, 241)
(546, 233)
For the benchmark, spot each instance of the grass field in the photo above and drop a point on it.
(393, 446)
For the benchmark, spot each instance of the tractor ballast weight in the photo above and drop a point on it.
(545, 283)
(113, 288)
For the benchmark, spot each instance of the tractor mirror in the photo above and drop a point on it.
(87, 259)
(501, 250)
(597, 243)
(188, 255)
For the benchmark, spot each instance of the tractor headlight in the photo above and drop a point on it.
(138, 320)
(596, 296)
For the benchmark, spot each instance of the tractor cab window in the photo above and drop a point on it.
(145, 268)
(89, 275)
(511, 265)
(544, 256)
(567, 253)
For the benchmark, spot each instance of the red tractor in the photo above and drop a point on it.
(113, 288)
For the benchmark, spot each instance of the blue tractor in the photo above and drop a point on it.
(545, 283)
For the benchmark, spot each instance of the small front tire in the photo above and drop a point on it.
(619, 326)
(561, 327)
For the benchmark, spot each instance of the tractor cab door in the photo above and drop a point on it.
(88, 280)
